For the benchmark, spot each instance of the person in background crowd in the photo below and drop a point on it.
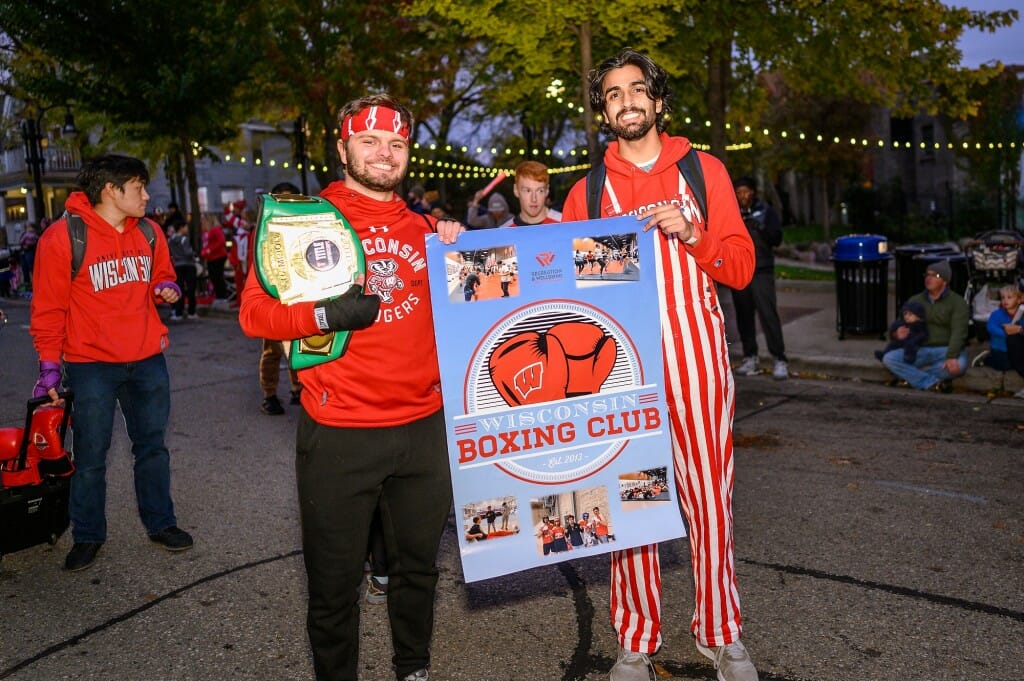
(272, 351)
(215, 252)
(758, 297)
(184, 259)
(944, 355)
(1005, 328)
(532, 184)
(497, 212)
(27, 254)
(172, 219)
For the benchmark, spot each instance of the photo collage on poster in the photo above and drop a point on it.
(557, 428)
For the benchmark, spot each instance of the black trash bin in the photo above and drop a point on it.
(862, 284)
(910, 269)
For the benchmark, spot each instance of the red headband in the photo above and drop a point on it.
(374, 118)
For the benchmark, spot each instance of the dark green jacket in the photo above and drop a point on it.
(947, 320)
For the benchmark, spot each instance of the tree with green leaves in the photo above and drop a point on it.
(321, 54)
(164, 71)
(995, 164)
(534, 42)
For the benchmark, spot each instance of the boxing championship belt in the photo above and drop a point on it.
(305, 251)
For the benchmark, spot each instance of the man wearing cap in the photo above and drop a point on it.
(497, 212)
(944, 355)
(758, 297)
(371, 430)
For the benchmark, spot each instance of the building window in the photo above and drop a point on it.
(231, 194)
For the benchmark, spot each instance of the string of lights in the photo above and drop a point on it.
(424, 166)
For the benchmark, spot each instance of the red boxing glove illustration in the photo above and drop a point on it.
(570, 359)
(589, 353)
(529, 368)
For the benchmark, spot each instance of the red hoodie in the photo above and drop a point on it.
(108, 314)
(388, 375)
(692, 322)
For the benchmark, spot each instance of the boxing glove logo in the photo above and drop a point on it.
(567, 360)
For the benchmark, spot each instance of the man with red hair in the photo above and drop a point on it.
(531, 187)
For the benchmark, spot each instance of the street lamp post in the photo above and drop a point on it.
(300, 150)
(35, 142)
(31, 132)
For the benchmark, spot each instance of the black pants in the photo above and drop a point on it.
(1013, 358)
(215, 269)
(343, 474)
(759, 297)
(187, 282)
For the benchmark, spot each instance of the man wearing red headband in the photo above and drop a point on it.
(372, 431)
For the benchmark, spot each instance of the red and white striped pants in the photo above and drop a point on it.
(702, 452)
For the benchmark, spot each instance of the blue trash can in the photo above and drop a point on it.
(862, 284)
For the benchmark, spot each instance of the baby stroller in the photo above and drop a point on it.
(994, 259)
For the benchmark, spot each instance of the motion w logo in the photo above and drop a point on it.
(528, 379)
(545, 259)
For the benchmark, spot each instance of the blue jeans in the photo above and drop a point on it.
(143, 391)
(927, 370)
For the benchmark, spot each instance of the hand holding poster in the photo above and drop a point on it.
(554, 401)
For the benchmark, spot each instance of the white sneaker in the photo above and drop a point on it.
(748, 367)
(781, 371)
(1019, 394)
(632, 667)
(174, 318)
(732, 662)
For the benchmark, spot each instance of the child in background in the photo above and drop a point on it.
(1006, 336)
(912, 317)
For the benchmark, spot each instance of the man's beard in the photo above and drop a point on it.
(632, 131)
(361, 174)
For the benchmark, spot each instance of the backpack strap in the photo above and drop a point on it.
(77, 234)
(689, 167)
(595, 187)
(149, 231)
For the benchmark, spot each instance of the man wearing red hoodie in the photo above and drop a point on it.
(372, 431)
(692, 252)
(104, 327)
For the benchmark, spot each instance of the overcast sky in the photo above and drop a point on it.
(1005, 45)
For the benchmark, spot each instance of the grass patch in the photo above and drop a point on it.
(803, 273)
(805, 234)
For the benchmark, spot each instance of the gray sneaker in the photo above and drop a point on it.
(732, 662)
(748, 367)
(418, 675)
(632, 667)
(376, 591)
(781, 370)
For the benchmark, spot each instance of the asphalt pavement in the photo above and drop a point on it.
(879, 536)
